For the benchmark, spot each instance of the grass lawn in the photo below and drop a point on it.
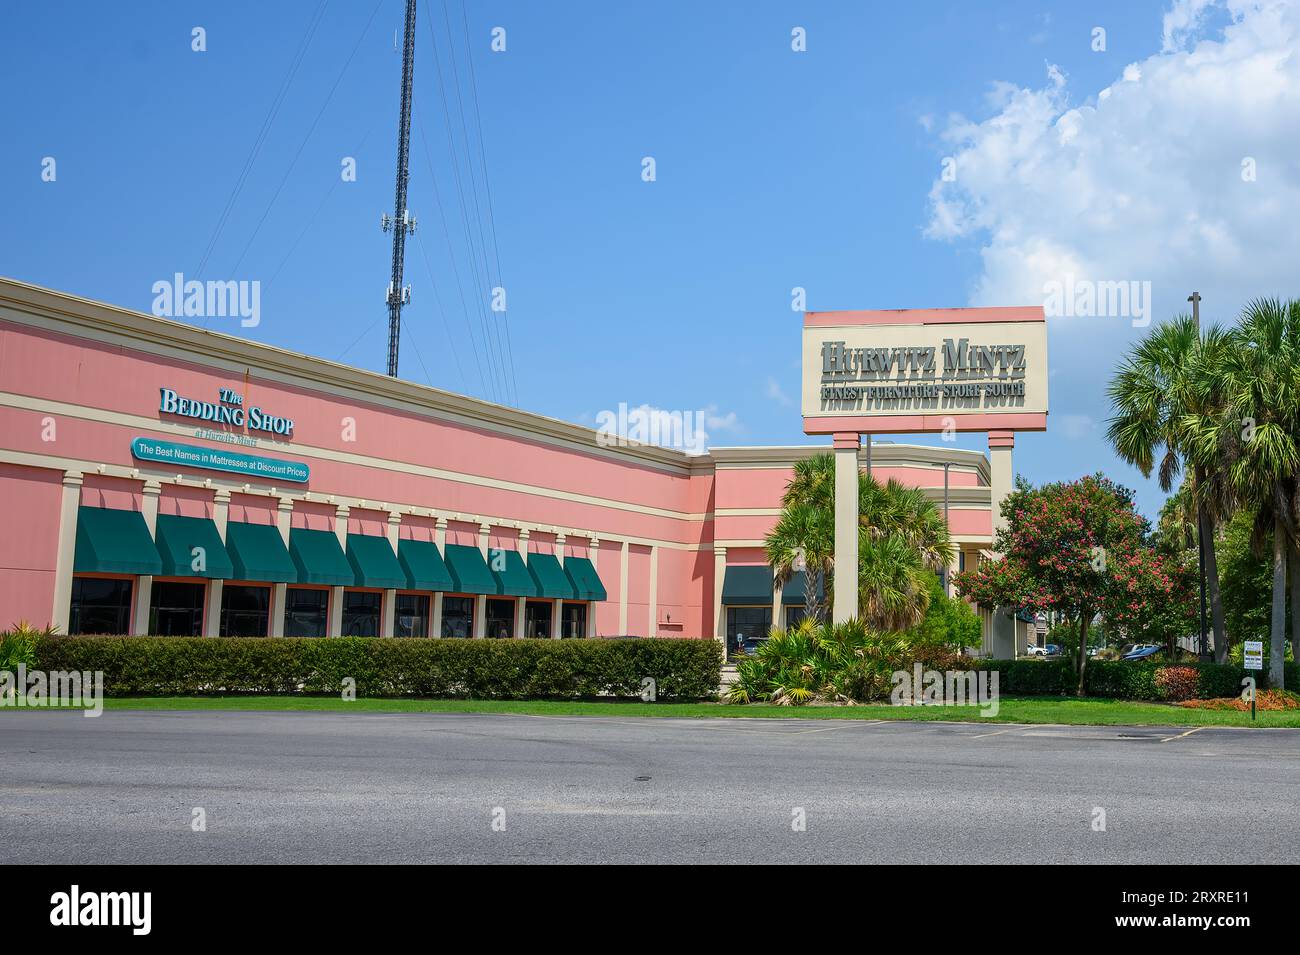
(1036, 709)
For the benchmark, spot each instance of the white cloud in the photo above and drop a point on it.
(773, 391)
(1075, 426)
(1142, 180)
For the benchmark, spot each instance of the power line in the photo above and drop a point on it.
(321, 112)
(492, 361)
(487, 187)
(488, 383)
(442, 314)
(473, 182)
(265, 130)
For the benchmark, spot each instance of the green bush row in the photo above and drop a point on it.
(1119, 679)
(472, 669)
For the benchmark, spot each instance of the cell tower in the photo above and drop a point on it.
(401, 222)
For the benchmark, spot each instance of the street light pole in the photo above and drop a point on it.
(1195, 299)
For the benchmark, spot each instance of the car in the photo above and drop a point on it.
(1093, 651)
(1033, 650)
(1143, 652)
(749, 645)
(1052, 650)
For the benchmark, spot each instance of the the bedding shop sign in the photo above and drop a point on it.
(228, 409)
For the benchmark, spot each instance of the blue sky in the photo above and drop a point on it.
(774, 169)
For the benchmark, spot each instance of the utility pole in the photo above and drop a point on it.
(946, 466)
(401, 222)
(1195, 299)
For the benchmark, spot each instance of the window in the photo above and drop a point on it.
(361, 613)
(306, 612)
(245, 611)
(457, 616)
(176, 610)
(573, 620)
(537, 619)
(500, 618)
(747, 623)
(795, 615)
(100, 606)
(412, 616)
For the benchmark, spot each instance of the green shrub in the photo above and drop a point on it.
(846, 662)
(469, 669)
(1119, 679)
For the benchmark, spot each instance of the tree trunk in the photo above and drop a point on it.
(1277, 625)
(1294, 569)
(1083, 647)
(1205, 532)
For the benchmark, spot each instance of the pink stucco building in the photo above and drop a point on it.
(156, 477)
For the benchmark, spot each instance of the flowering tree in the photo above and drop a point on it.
(1078, 548)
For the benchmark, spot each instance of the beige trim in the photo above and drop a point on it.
(335, 627)
(719, 572)
(652, 612)
(168, 476)
(212, 615)
(61, 612)
(306, 451)
(882, 455)
(279, 603)
(622, 588)
(84, 318)
(388, 627)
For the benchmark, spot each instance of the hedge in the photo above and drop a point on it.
(472, 669)
(1119, 679)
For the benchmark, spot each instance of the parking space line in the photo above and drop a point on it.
(1195, 729)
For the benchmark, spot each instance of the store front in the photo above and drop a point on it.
(370, 506)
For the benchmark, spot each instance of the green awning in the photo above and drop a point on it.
(111, 541)
(748, 586)
(586, 582)
(469, 571)
(550, 577)
(374, 562)
(177, 537)
(319, 558)
(512, 579)
(257, 552)
(796, 588)
(424, 566)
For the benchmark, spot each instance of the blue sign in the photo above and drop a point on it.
(219, 459)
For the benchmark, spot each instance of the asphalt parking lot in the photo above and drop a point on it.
(128, 787)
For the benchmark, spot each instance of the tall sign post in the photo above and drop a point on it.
(919, 371)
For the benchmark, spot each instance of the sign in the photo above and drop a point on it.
(219, 459)
(227, 409)
(1253, 654)
(918, 370)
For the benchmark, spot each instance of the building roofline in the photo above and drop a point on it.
(77, 316)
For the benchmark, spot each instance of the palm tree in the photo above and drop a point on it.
(902, 534)
(893, 583)
(1167, 381)
(893, 509)
(1258, 439)
(804, 540)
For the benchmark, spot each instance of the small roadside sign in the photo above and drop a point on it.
(1254, 654)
